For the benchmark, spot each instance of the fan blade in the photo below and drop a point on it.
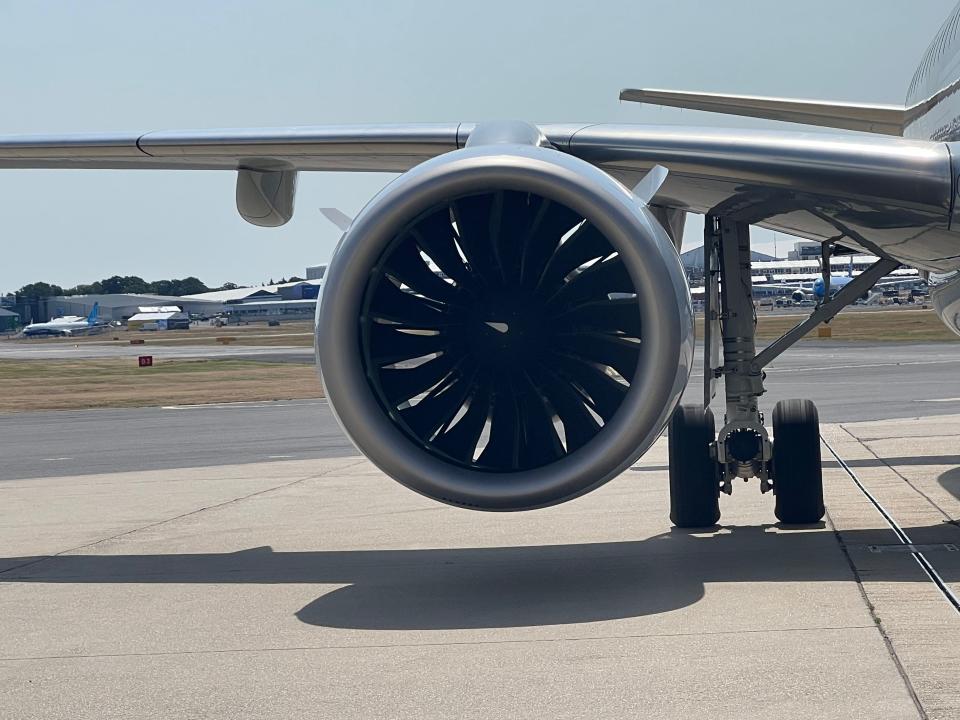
(616, 352)
(440, 406)
(606, 393)
(579, 425)
(461, 440)
(503, 448)
(587, 243)
(406, 309)
(435, 236)
(473, 215)
(401, 384)
(389, 345)
(551, 222)
(594, 283)
(516, 218)
(540, 443)
(406, 265)
(620, 314)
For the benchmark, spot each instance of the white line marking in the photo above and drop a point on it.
(240, 405)
(58, 458)
(956, 399)
(776, 368)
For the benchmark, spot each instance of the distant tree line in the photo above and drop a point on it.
(129, 284)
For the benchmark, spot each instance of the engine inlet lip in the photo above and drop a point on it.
(651, 261)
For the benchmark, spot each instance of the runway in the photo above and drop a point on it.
(843, 379)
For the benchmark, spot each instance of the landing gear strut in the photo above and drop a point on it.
(700, 466)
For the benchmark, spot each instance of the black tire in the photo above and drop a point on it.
(797, 474)
(694, 485)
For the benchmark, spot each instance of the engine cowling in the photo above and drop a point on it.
(504, 327)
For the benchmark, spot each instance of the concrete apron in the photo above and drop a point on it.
(322, 589)
(910, 468)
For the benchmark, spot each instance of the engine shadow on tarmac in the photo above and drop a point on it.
(500, 587)
(950, 481)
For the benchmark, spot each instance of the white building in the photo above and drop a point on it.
(122, 306)
(287, 301)
(773, 271)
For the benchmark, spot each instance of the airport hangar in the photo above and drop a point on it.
(288, 301)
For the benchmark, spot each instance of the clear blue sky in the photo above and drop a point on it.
(100, 66)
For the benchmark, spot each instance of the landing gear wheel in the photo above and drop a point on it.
(797, 475)
(694, 485)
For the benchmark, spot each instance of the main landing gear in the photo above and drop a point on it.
(702, 464)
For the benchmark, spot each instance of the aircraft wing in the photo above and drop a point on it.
(886, 195)
(372, 148)
(885, 119)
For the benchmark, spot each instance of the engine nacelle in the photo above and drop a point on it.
(504, 327)
(945, 294)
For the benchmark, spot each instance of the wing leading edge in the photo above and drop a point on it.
(371, 148)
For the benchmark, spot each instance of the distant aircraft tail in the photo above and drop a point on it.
(94, 314)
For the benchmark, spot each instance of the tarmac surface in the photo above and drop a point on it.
(188, 576)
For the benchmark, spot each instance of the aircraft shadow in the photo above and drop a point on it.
(495, 587)
(950, 481)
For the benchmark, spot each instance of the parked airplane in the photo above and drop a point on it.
(838, 282)
(66, 325)
(555, 348)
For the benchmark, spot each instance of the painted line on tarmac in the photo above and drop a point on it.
(241, 404)
(852, 366)
(901, 534)
(947, 400)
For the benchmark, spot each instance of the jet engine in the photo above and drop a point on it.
(504, 327)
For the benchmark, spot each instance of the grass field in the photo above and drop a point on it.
(75, 384)
(864, 326)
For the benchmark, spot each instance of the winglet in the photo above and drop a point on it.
(338, 218)
(646, 189)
